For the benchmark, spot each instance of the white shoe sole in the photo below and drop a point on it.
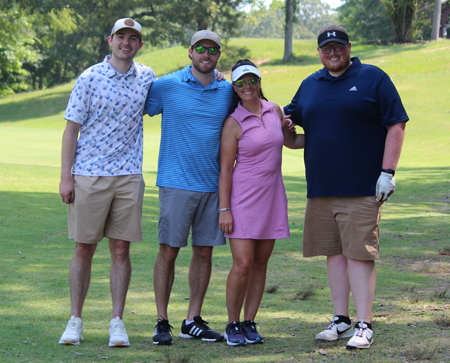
(359, 347)
(323, 336)
(118, 344)
(365, 346)
(68, 342)
(231, 344)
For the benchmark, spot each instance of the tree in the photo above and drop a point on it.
(444, 17)
(188, 16)
(366, 20)
(290, 11)
(56, 63)
(402, 13)
(309, 15)
(270, 22)
(16, 40)
(436, 19)
(71, 35)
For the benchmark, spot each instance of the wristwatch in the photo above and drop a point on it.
(389, 171)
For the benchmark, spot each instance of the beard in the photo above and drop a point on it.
(204, 68)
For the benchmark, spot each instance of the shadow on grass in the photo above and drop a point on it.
(35, 294)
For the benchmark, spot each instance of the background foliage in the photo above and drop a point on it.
(269, 22)
(46, 43)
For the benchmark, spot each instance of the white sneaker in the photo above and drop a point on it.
(336, 331)
(117, 334)
(72, 334)
(362, 338)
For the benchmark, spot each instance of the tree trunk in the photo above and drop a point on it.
(402, 13)
(288, 30)
(202, 23)
(103, 49)
(444, 17)
(436, 20)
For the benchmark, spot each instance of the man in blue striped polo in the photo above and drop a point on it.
(194, 106)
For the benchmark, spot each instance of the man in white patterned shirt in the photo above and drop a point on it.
(101, 171)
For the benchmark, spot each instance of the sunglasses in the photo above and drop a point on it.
(327, 48)
(200, 49)
(251, 81)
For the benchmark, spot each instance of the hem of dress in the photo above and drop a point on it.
(246, 237)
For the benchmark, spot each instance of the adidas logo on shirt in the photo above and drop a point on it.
(353, 88)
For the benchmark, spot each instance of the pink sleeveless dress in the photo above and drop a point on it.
(258, 199)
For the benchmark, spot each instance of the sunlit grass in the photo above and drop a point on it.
(411, 293)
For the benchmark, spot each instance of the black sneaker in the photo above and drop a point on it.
(162, 334)
(234, 335)
(198, 329)
(251, 335)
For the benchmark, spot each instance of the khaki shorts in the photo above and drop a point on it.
(106, 206)
(179, 210)
(342, 225)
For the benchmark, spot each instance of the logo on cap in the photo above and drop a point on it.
(206, 34)
(329, 34)
(129, 22)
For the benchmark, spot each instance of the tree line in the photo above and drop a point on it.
(49, 42)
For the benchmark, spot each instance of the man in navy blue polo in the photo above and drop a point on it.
(354, 124)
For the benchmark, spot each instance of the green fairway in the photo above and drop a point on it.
(412, 304)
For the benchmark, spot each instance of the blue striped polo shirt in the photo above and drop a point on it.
(191, 125)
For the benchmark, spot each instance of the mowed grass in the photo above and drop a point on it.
(413, 274)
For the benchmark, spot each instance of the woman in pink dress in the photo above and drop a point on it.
(253, 203)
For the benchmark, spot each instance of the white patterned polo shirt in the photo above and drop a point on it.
(109, 107)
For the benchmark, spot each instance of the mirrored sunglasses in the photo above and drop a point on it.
(202, 49)
(251, 81)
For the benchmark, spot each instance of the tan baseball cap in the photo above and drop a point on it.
(127, 23)
(205, 34)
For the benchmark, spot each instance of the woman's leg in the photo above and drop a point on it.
(257, 280)
(242, 251)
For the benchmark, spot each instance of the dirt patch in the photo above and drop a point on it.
(262, 61)
(434, 50)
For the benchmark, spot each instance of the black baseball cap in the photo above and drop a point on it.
(332, 36)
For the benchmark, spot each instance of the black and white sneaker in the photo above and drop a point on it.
(162, 335)
(362, 338)
(336, 330)
(251, 335)
(199, 330)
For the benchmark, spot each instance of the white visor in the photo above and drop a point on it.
(244, 69)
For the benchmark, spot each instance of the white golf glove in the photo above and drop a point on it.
(385, 186)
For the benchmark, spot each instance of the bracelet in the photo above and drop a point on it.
(389, 171)
(223, 209)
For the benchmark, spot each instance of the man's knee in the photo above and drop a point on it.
(167, 253)
(120, 249)
(85, 251)
(202, 252)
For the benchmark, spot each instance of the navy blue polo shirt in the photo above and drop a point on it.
(344, 119)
